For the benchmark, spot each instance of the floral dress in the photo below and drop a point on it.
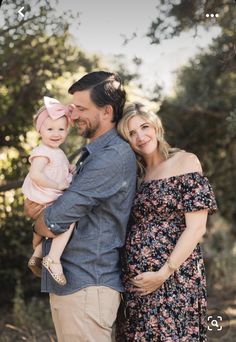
(177, 310)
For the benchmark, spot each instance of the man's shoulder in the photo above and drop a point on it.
(120, 144)
(120, 149)
(117, 155)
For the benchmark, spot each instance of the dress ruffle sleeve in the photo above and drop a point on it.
(196, 193)
(40, 151)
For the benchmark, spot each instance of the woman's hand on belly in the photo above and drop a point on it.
(147, 282)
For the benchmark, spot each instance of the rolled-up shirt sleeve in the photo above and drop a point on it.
(100, 178)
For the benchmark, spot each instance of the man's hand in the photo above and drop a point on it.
(32, 209)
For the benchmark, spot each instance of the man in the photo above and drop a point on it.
(99, 201)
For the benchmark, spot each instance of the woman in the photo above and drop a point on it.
(163, 272)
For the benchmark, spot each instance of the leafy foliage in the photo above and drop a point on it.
(201, 117)
(176, 16)
(32, 54)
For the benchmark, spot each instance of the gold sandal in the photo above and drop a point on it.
(59, 278)
(35, 265)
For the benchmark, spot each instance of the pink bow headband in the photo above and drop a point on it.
(53, 109)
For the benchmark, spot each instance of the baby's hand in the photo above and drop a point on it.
(72, 168)
(63, 185)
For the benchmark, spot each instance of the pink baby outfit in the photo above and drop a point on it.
(57, 169)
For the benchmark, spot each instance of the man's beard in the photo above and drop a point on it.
(89, 132)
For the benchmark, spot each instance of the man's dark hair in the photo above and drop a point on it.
(105, 89)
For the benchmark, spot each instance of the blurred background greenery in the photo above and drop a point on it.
(38, 56)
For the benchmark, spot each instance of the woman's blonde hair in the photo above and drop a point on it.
(137, 109)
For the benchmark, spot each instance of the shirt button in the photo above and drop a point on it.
(52, 225)
(80, 163)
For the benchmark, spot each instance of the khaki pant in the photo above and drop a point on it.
(85, 316)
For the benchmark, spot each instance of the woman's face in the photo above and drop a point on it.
(142, 136)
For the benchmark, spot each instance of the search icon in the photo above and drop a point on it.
(214, 323)
(218, 323)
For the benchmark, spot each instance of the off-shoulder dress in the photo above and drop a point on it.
(177, 310)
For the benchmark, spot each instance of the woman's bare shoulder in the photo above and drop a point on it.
(187, 162)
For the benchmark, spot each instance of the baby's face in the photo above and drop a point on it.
(54, 132)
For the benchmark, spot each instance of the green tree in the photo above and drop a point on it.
(33, 53)
(202, 117)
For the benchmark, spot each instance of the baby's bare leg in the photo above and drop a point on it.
(38, 252)
(57, 247)
(59, 243)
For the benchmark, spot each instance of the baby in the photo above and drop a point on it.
(50, 173)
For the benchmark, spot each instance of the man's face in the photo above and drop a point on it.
(86, 115)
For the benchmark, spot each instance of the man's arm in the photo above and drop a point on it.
(91, 186)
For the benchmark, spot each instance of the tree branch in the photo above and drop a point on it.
(11, 185)
(19, 24)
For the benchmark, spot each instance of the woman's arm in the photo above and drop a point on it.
(195, 229)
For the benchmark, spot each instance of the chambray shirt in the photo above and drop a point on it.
(99, 200)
